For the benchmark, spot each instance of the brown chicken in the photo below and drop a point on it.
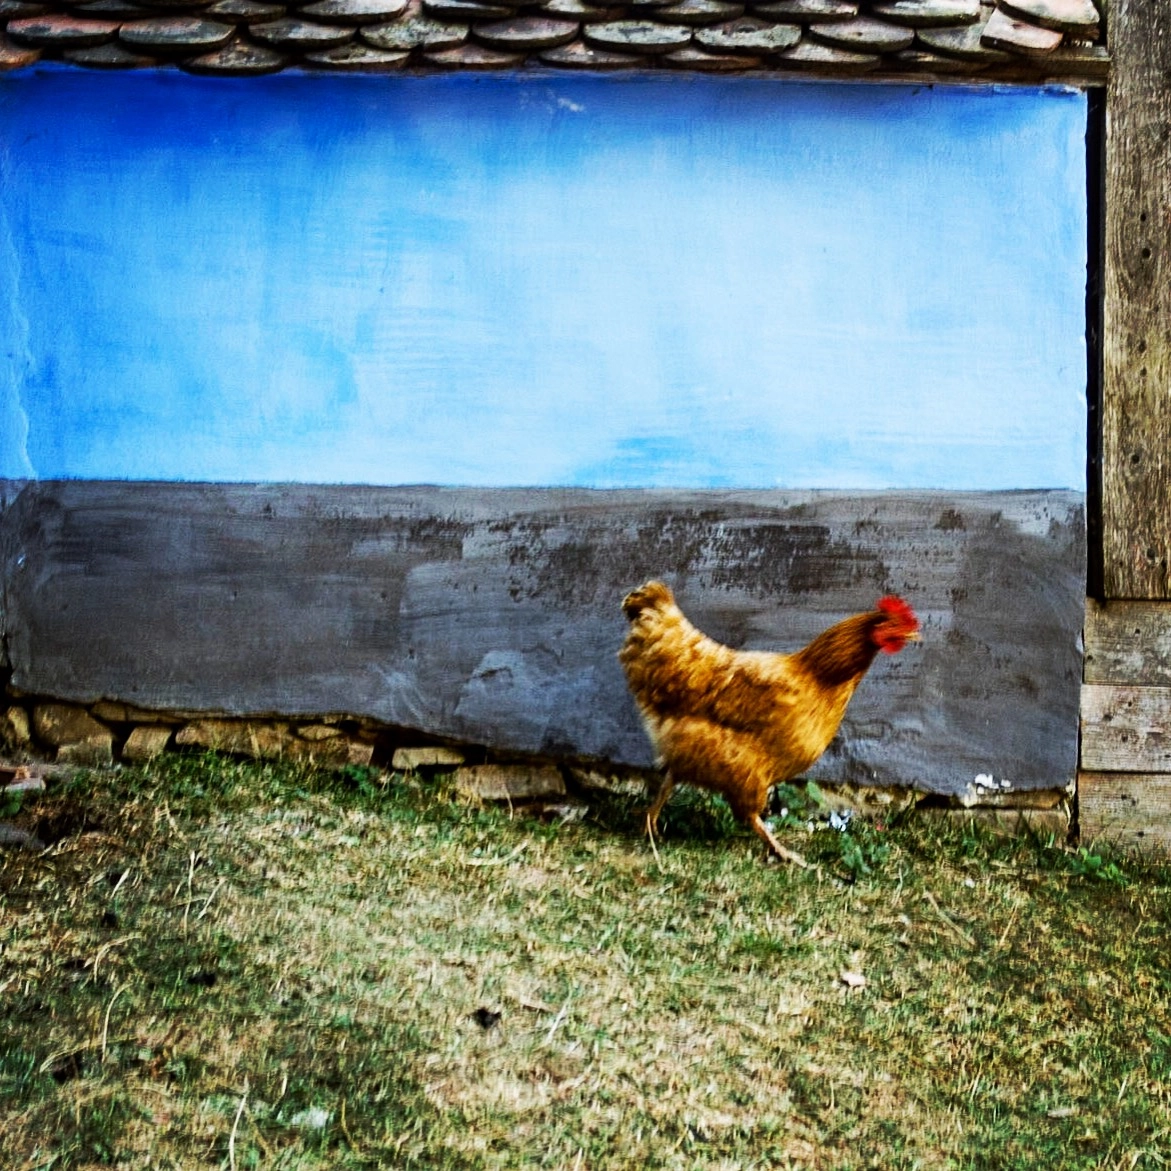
(739, 722)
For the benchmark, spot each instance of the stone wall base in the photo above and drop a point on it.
(103, 733)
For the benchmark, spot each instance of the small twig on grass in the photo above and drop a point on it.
(1008, 928)
(563, 1012)
(236, 1125)
(346, 1129)
(106, 1024)
(104, 876)
(190, 881)
(947, 920)
(109, 946)
(207, 902)
(534, 1005)
(495, 861)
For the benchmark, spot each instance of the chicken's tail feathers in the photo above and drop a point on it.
(651, 596)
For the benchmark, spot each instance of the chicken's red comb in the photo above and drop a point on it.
(897, 608)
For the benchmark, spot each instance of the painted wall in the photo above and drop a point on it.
(578, 281)
(721, 292)
(493, 616)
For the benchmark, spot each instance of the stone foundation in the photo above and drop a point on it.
(103, 733)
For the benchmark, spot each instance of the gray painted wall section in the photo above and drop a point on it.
(493, 616)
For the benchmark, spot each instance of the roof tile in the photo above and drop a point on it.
(360, 58)
(965, 43)
(292, 35)
(818, 58)
(928, 13)
(245, 10)
(693, 58)
(1079, 18)
(863, 34)
(112, 10)
(699, 12)
(576, 10)
(473, 57)
(642, 36)
(466, 10)
(183, 35)
(806, 11)
(916, 59)
(1024, 41)
(748, 35)
(175, 5)
(415, 30)
(61, 32)
(1015, 36)
(579, 55)
(238, 58)
(109, 56)
(20, 9)
(354, 11)
(526, 33)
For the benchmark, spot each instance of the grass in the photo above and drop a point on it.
(237, 965)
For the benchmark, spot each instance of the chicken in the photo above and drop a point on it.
(739, 722)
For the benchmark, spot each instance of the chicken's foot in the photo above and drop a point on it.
(666, 788)
(774, 845)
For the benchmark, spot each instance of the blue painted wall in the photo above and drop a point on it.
(652, 281)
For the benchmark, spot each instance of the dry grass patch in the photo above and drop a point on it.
(231, 965)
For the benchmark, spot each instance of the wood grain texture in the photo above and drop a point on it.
(1126, 729)
(1132, 810)
(1136, 418)
(1128, 643)
(493, 616)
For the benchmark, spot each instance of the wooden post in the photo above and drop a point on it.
(1136, 409)
(1124, 788)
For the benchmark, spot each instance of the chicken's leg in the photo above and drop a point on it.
(666, 788)
(774, 845)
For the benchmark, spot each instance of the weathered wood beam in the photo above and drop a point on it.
(1124, 790)
(1128, 643)
(1126, 697)
(1136, 419)
(1125, 809)
(1126, 729)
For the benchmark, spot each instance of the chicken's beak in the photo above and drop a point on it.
(914, 636)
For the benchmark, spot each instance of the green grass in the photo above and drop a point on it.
(236, 965)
